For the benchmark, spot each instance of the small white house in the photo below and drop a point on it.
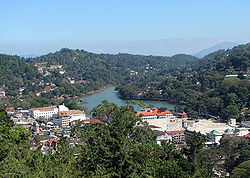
(2, 93)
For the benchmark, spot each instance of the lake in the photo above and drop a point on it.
(94, 99)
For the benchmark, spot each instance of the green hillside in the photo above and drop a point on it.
(201, 91)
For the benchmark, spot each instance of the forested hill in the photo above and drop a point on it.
(98, 70)
(202, 91)
(70, 73)
(16, 74)
(89, 65)
(236, 59)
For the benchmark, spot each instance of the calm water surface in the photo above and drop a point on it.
(94, 99)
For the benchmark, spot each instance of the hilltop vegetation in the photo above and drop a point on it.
(15, 73)
(202, 90)
(115, 148)
(70, 73)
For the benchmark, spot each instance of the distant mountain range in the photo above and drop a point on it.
(158, 47)
(223, 45)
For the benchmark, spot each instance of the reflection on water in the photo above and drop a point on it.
(94, 99)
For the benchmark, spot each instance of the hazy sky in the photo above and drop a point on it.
(41, 26)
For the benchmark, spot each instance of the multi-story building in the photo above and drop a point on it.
(47, 112)
(164, 120)
(67, 117)
(177, 137)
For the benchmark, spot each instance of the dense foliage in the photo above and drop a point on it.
(118, 147)
(180, 79)
(15, 73)
(79, 72)
(202, 90)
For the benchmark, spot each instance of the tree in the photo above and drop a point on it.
(195, 144)
(123, 146)
(230, 112)
(242, 170)
(236, 150)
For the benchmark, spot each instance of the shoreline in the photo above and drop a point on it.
(96, 91)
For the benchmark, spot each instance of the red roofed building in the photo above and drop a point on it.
(247, 136)
(10, 110)
(181, 115)
(164, 120)
(88, 121)
(154, 113)
(92, 121)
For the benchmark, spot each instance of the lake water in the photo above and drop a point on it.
(94, 99)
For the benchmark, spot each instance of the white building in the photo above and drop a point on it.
(214, 130)
(242, 131)
(67, 117)
(205, 126)
(47, 112)
(165, 120)
(161, 136)
(2, 93)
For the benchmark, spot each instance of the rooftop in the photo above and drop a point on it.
(206, 126)
(92, 121)
(175, 132)
(214, 131)
(152, 112)
(229, 130)
(181, 113)
(70, 112)
(44, 108)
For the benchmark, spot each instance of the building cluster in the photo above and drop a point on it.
(177, 127)
(46, 89)
(48, 124)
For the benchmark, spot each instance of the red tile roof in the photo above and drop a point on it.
(45, 108)
(181, 113)
(247, 135)
(152, 112)
(53, 140)
(92, 121)
(9, 109)
(175, 132)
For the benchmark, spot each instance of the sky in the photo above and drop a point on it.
(158, 27)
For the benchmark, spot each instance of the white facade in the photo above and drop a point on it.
(205, 126)
(242, 131)
(47, 112)
(215, 137)
(2, 92)
(66, 117)
(164, 137)
(165, 123)
(166, 116)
